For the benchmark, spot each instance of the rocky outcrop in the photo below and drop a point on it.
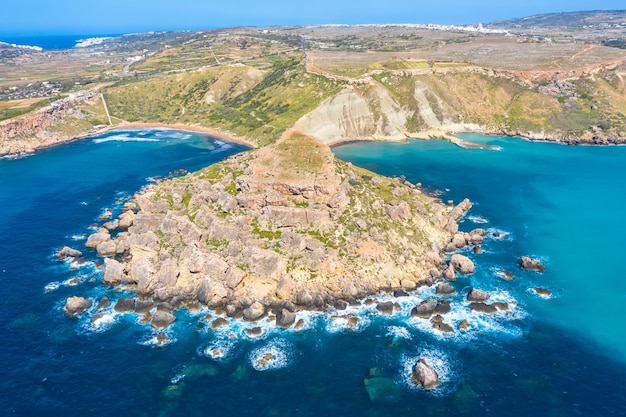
(285, 318)
(37, 129)
(530, 264)
(476, 295)
(462, 264)
(67, 252)
(284, 224)
(424, 375)
(76, 305)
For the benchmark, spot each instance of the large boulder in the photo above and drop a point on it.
(530, 264)
(107, 248)
(449, 273)
(483, 308)
(113, 271)
(67, 252)
(425, 375)
(125, 305)
(76, 305)
(162, 319)
(255, 311)
(97, 238)
(476, 295)
(126, 220)
(462, 264)
(385, 307)
(285, 318)
(425, 309)
(443, 288)
(460, 209)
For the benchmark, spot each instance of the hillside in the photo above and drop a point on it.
(337, 83)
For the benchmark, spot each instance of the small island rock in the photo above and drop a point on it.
(285, 318)
(477, 295)
(425, 375)
(76, 305)
(462, 264)
(67, 252)
(530, 264)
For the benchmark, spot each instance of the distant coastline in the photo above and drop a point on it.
(50, 42)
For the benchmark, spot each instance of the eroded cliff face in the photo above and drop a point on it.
(59, 122)
(367, 112)
(286, 223)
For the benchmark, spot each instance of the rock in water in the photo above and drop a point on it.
(530, 264)
(425, 375)
(285, 318)
(255, 311)
(385, 307)
(125, 305)
(543, 292)
(425, 309)
(76, 305)
(462, 264)
(477, 295)
(162, 319)
(67, 252)
(443, 288)
(113, 271)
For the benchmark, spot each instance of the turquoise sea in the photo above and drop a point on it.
(562, 356)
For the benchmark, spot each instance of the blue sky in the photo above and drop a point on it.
(35, 17)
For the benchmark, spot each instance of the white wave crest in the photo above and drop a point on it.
(124, 138)
(274, 355)
(439, 361)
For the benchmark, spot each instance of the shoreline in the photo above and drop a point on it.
(16, 154)
(447, 135)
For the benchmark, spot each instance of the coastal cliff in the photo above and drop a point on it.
(283, 225)
(584, 107)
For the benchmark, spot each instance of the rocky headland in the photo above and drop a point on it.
(279, 228)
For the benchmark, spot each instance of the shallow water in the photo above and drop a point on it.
(543, 357)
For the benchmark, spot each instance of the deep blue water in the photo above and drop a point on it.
(544, 357)
(48, 42)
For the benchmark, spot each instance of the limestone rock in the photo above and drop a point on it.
(126, 220)
(113, 271)
(425, 309)
(386, 307)
(255, 311)
(425, 375)
(544, 292)
(439, 324)
(107, 248)
(530, 264)
(483, 308)
(125, 305)
(462, 264)
(476, 295)
(104, 302)
(449, 274)
(76, 305)
(506, 275)
(443, 288)
(460, 209)
(162, 319)
(285, 318)
(97, 238)
(218, 322)
(67, 252)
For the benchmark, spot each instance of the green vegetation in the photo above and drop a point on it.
(221, 97)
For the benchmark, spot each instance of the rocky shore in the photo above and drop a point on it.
(278, 229)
